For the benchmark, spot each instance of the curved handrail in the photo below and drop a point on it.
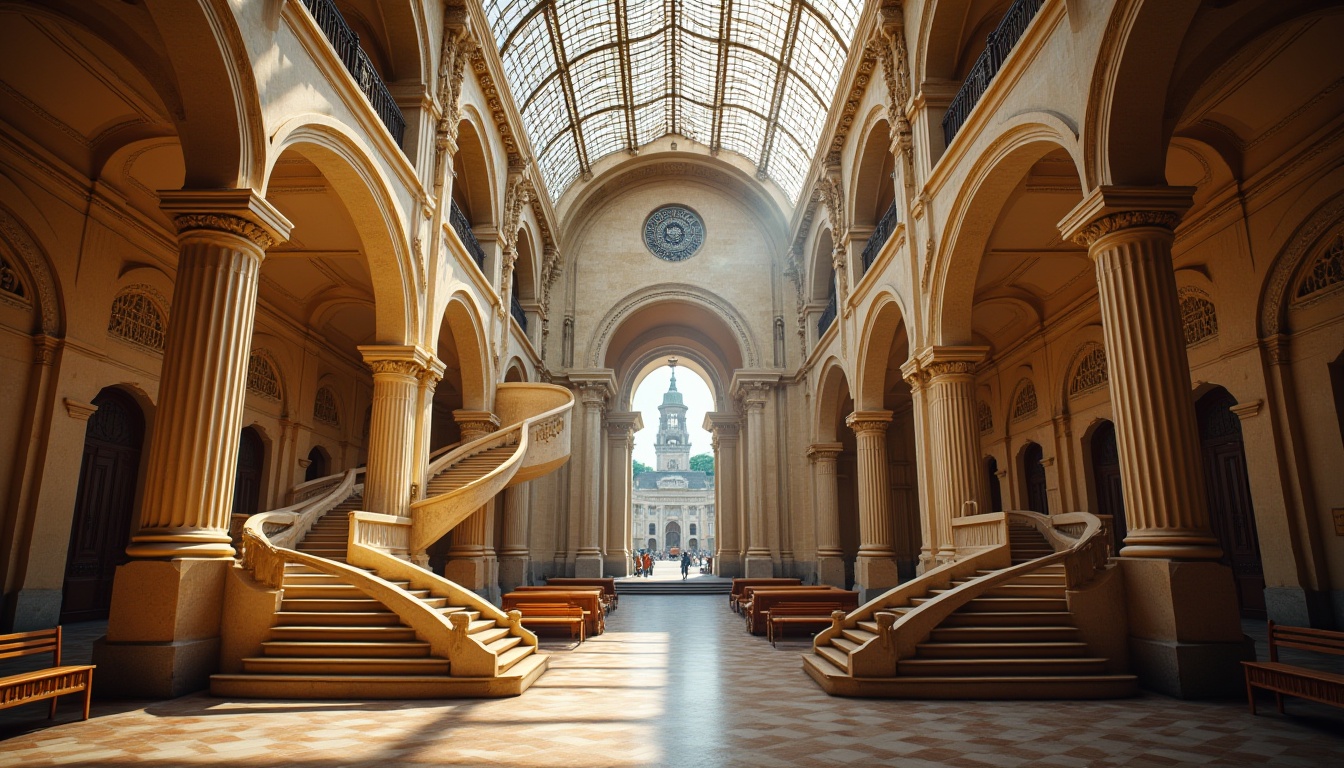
(900, 635)
(287, 526)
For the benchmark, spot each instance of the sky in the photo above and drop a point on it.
(695, 393)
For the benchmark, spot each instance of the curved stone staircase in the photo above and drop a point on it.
(336, 608)
(1011, 618)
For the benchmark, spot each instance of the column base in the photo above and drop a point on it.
(831, 570)
(759, 567)
(588, 567)
(617, 565)
(1185, 627)
(512, 573)
(874, 576)
(163, 636)
(728, 566)
(1299, 607)
(34, 609)
(470, 572)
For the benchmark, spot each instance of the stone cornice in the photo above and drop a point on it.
(943, 361)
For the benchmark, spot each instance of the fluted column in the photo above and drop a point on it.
(830, 557)
(725, 428)
(513, 548)
(588, 559)
(1185, 633)
(621, 429)
(758, 561)
(429, 379)
(393, 426)
(163, 633)
(954, 430)
(467, 556)
(928, 516)
(875, 569)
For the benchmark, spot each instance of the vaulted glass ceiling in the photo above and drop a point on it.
(593, 77)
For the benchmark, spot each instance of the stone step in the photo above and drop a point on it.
(503, 645)
(1063, 650)
(312, 649)
(330, 665)
(336, 619)
(859, 636)
(1024, 604)
(1003, 634)
(837, 682)
(834, 655)
(844, 644)
(1031, 667)
(516, 658)
(332, 605)
(343, 634)
(1007, 618)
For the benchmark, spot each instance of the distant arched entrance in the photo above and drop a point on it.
(317, 464)
(104, 503)
(1106, 480)
(1229, 493)
(653, 545)
(247, 479)
(693, 545)
(1033, 475)
(992, 484)
(672, 536)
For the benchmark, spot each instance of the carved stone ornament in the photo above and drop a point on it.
(674, 233)
(547, 430)
(866, 425)
(950, 367)
(1125, 220)
(218, 222)
(401, 367)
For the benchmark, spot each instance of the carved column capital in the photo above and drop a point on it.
(868, 422)
(475, 424)
(822, 453)
(238, 212)
(1110, 209)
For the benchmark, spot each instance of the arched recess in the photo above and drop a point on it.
(474, 182)
(343, 161)
(394, 34)
(699, 312)
(524, 285)
(952, 35)
(873, 189)
(885, 347)
(462, 347)
(1316, 233)
(1031, 144)
(822, 281)
(33, 271)
(833, 394)
(634, 368)
(1106, 491)
(319, 464)
(517, 372)
(249, 478)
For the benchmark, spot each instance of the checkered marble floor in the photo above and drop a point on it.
(675, 681)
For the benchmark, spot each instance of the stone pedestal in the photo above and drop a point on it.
(875, 570)
(874, 576)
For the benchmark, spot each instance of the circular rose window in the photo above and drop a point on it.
(674, 233)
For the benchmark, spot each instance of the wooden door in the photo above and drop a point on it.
(1228, 487)
(104, 503)
(1034, 471)
(992, 483)
(317, 465)
(247, 480)
(1106, 480)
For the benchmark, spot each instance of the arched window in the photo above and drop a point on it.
(985, 416)
(1024, 404)
(262, 377)
(9, 281)
(1325, 271)
(692, 529)
(1090, 373)
(138, 319)
(1198, 317)
(324, 407)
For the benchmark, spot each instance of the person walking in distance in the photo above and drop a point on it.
(648, 565)
(685, 564)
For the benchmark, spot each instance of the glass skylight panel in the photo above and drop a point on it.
(817, 56)
(504, 15)
(798, 113)
(585, 25)
(699, 66)
(743, 132)
(751, 80)
(788, 164)
(604, 134)
(843, 15)
(700, 17)
(529, 59)
(644, 17)
(651, 121)
(694, 121)
(559, 164)
(648, 69)
(760, 24)
(546, 115)
(597, 81)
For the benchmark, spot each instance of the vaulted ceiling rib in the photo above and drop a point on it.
(593, 77)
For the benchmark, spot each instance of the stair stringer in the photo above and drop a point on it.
(467, 656)
(542, 445)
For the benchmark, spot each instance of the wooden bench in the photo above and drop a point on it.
(735, 593)
(763, 601)
(589, 599)
(607, 584)
(537, 615)
(800, 615)
(1290, 679)
(750, 592)
(49, 683)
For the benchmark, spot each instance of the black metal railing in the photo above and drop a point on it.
(516, 309)
(463, 229)
(885, 226)
(346, 44)
(997, 48)
(827, 314)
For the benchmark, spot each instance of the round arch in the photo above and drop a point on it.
(638, 369)
(462, 321)
(873, 166)
(718, 318)
(345, 161)
(474, 183)
(883, 322)
(832, 392)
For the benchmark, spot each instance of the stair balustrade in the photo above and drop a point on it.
(267, 536)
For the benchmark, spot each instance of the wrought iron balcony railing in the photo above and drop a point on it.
(463, 229)
(516, 309)
(346, 44)
(885, 226)
(827, 314)
(997, 48)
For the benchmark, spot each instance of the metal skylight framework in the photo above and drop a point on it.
(594, 77)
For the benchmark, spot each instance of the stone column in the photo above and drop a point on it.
(875, 569)
(429, 379)
(954, 432)
(513, 548)
(467, 563)
(588, 559)
(163, 635)
(830, 558)
(1183, 616)
(728, 555)
(621, 429)
(393, 426)
(919, 411)
(758, 561)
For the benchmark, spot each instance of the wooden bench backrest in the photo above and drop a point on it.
(805, 609)
(1304, 639)
(32, 643)
(751, 590)
(548, 609)
(740, 583)
(763, 601)
(608, 585)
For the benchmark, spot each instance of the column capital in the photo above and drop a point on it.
(725, 424)
(407, 360)
(868, 421)
(240, 212)
(475, 424)
(624, 424)
(824, 452)
(1110, 209)
(943, 361)
(753, 386)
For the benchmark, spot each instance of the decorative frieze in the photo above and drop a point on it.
(984, 416)
(1115, 222)
(324, 407)
(219, 222)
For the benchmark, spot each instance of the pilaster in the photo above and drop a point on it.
(595, 389)
(754, 390)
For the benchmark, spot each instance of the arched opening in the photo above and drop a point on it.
(992, 484)
(1228, 488)
(652, 545)
(104, 505)
(874, 190)
(672, 536)
(693, 545)
(1106, 483)
(319, 464)
(247, 478)
(1033, 479)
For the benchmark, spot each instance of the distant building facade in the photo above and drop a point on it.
(673, 505)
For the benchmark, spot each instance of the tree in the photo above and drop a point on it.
(703, 462)
(641, 468)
